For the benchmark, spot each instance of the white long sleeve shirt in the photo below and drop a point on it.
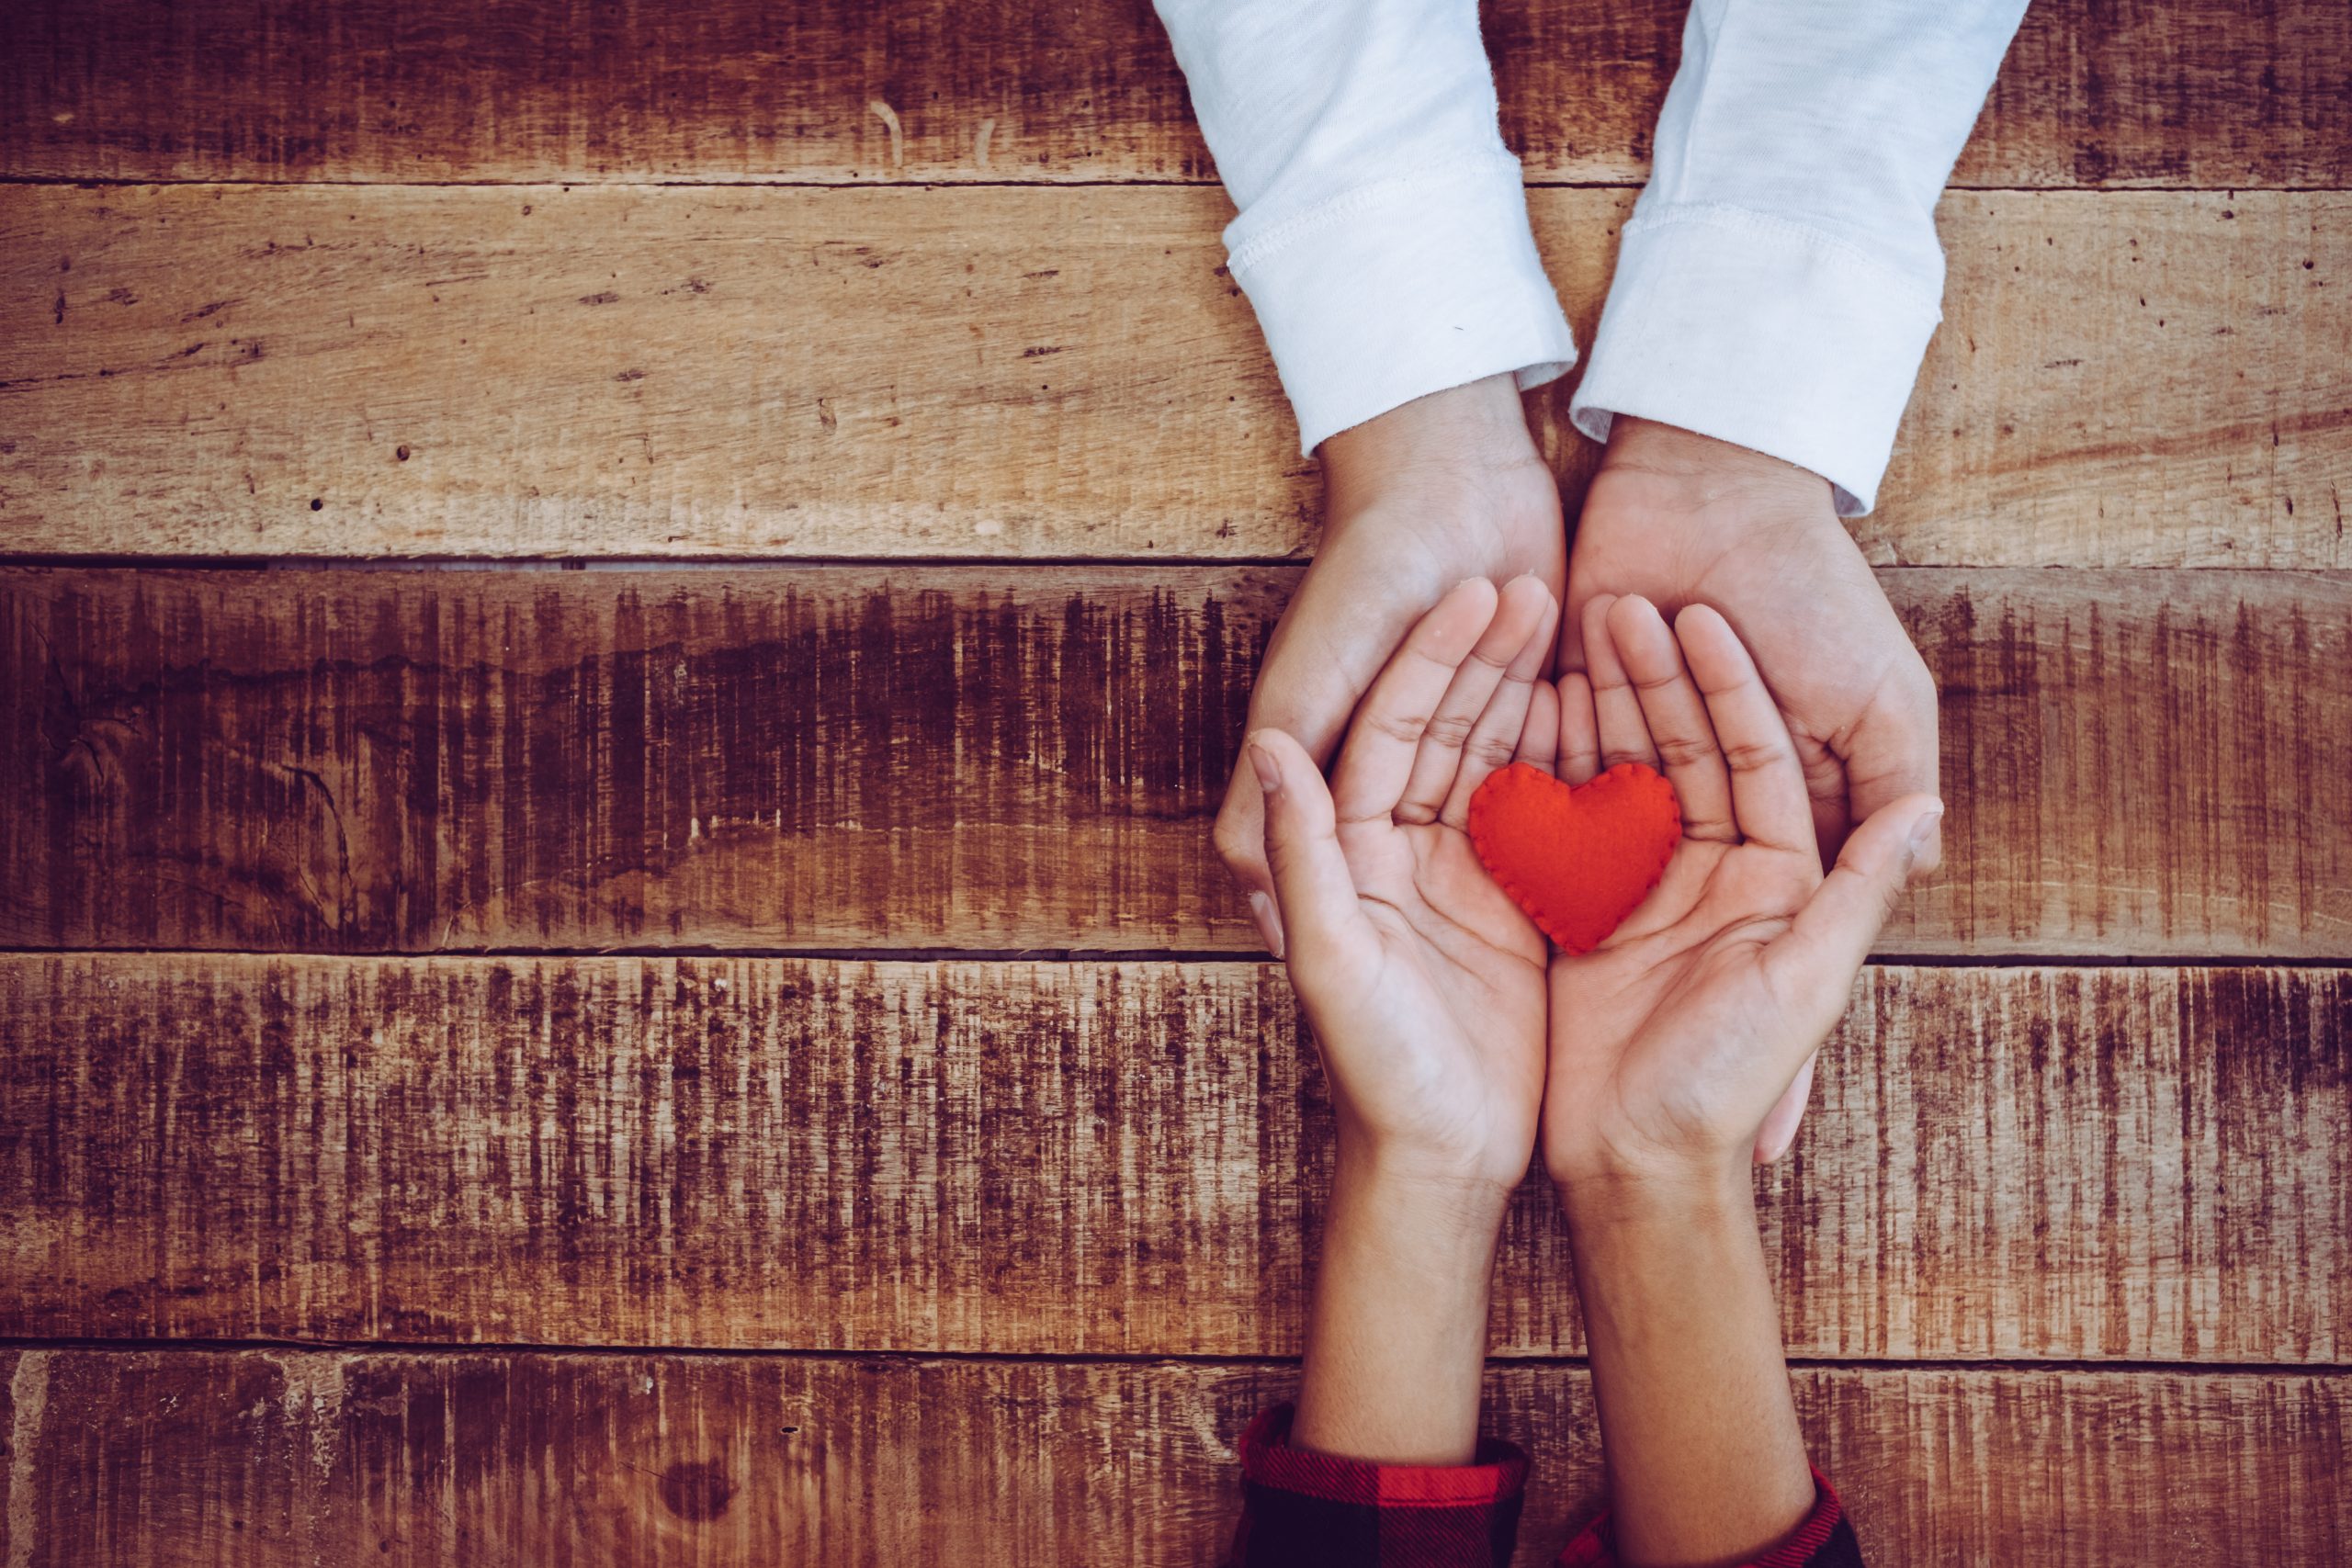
(1777, 284)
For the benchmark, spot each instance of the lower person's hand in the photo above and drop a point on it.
(1425, 986)
(1674, 1039)
(1447, 487)
(1671, 1041)
(1684, 519)
(1423, 982)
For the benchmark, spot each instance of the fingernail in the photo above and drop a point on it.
(1923, 830)
(1261, 762)
(1262, 909)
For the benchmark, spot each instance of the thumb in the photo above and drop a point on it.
(1813, 965)
(1306, 687)
(1314, 892)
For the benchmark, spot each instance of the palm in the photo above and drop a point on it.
(1459, 966)
(1657, 1025)
(1422, 981)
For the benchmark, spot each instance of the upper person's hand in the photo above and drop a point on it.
(1423, 983)
(1672, 1041)
(1685, 519)
(1446, 486)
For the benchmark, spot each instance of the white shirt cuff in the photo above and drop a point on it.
(1763, 332)
(1400, 288)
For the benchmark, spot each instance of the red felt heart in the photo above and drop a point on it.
(1579, 861)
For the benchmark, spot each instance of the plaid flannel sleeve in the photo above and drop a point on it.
(1310, 1510)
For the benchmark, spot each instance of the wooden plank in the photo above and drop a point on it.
(1121, 1158)
(2202, 92)
(2124, 379)
(2139, 763)
(259, 1458)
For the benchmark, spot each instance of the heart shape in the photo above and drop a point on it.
(1579, 861)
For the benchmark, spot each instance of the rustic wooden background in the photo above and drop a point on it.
(744, 1048)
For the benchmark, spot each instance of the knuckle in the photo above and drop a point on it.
(1450, 730)
(1407, 727)
(1682, 750)
(1241, 841)
(1752, 756)
(1481, 657)
(1492, 750)
(1914, 683)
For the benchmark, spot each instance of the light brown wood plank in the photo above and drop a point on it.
(2138, 762)
(1112, 1159)
(256, 1457)
(2212, 92)
(2123, 379)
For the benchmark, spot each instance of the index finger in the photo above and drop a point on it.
(1768, 788)
(1376, 759)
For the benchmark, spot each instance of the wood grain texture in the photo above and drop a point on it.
(2210, 93)
(2144, 764)
(253, 1459)
(1121, 1158)
(2122, 380)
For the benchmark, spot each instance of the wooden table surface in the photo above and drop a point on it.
(742, 1054)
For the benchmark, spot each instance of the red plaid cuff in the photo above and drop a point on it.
(1824, 1541)
(1311, 1510)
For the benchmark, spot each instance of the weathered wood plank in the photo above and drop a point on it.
(2124, 379)
(1104, 1158)
(2139, 763)
(2209, 92)
(253, 1458)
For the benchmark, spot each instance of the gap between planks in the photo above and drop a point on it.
(426, 1349)
(1174, 957)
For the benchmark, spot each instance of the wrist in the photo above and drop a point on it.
(1706, 1463)
(1397, 1330)
(1474, 432)
(1437, 1213)
(1697, 1197)
(1700, 469)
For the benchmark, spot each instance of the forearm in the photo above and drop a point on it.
(1705, 1461)
(1382, 236)
(1781, 277)
(1396, 1334)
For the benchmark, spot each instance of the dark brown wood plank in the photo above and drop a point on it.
(1123, 1159)
(2123, 379)
(252, 1458)
(2139, 763)
(2210, 93)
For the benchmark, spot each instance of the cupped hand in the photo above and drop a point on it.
(1446, 486)
(1682, 519)
(1673, 1040)
(1423, 983)
(1685, 519)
